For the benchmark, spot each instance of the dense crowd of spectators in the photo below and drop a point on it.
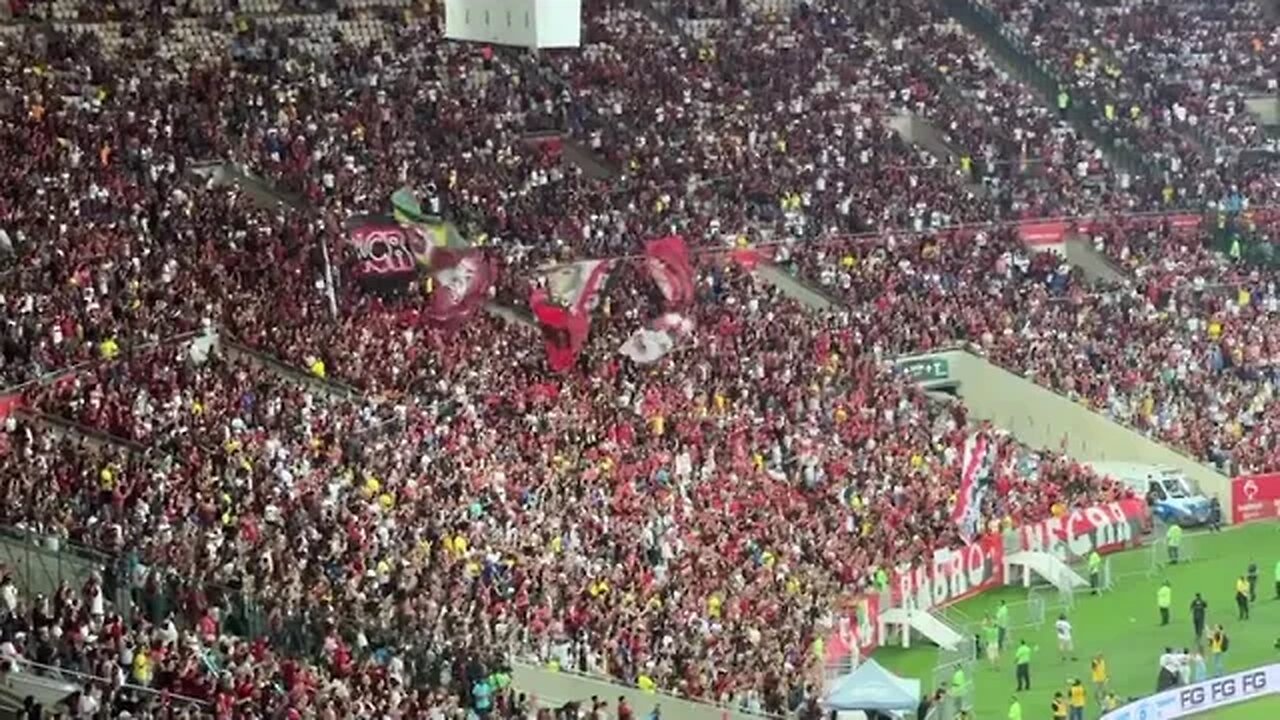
(685, 525)
(1171, 79)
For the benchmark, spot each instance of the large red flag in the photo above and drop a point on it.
(462, 280)
(563, 308)
(668, 261)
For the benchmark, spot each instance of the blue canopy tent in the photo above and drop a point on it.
(871, 687)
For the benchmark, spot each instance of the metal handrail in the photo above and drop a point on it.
(60, 673)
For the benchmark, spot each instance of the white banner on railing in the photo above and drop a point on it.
(1201, 697)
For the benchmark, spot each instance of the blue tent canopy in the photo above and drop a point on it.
(871, 687)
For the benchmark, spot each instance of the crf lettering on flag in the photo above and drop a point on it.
(381, 249)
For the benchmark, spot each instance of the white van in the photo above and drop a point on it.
(1172, 497)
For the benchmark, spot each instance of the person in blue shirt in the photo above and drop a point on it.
(482, 697)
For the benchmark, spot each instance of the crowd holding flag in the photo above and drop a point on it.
(562, 302)
(977, 463)
(667, 259)
(651, 344)
(415, 243)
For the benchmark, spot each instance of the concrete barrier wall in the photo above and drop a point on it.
(1042, 418)
(1266, 107)
(550, 688)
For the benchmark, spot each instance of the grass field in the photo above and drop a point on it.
(1124, 626)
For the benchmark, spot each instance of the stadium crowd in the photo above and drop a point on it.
(617, 520)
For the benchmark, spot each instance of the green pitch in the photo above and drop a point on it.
(1124, 625)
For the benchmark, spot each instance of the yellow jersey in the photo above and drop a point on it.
(1077, 696)
(1099, 671)
(1059, 708)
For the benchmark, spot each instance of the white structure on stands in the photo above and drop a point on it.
(532, 24)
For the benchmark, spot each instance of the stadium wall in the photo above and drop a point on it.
(552, 688)
(1042, 418)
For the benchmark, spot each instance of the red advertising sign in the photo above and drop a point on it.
(1255, 497)
(952, 575)
(1042, 232)
(1106, 528)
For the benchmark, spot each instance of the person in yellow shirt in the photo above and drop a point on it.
(1098, 673)
(1059, 707)
(713, 606)
(1076, 697)
(1242, 597)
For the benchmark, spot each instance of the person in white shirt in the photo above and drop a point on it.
(1066, 648)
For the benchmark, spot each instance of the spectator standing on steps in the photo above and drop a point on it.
(1173, 537)
(1164, 600)
(1198, 607)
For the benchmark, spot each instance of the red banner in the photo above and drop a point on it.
(1106, 528)
(952, 575)
(1255, 497)
(668, 261)
(563, 308)
(9, 403)
(857, 628)
(1042, 232)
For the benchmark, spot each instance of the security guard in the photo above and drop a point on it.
(1076, 699)
(1242, 597)
(1059, 707)
(1164, 599)
(1173, 537)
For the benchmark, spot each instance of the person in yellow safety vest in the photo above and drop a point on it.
(1064, 101)
(1098, 674)
(1015, 709)
(1059, 706)
(1135, 112)
(1173, 537)
(1242, 597)
(1235, 248)
(1164, 600)
(1109, 110)
(966, 166)
(1110, 702)
(1076, 697)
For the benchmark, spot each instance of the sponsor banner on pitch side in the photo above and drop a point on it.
(1201, 697)
(1107, 528)
(1255, 497)
(951, 575)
